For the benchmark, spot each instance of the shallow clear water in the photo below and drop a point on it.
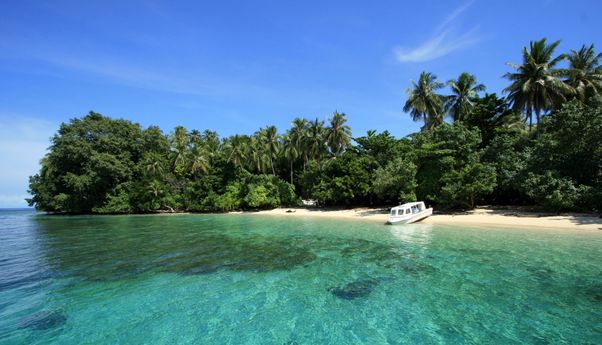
(239, 279)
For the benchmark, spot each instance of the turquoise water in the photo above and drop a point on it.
(240, 279)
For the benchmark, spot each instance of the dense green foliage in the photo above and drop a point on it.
(485, 155)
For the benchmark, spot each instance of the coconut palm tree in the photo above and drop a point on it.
(156, 192)
(256, 153)
(459, 103)
(270, 139)
(423, 103)
(535, 86)
(291, 152)
(195, 137)
(236, 149)
(153, 164)
(584, 74)
(298, 137)
(315, 139)
(210, 141)
(179, 142)
(199, 160)
(338, 135)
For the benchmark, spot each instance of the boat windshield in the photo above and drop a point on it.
(409, 210)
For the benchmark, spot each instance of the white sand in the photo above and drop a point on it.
(477, 217)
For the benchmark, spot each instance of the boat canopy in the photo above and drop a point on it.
(408, 208)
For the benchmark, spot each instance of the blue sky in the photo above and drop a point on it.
(236, 66)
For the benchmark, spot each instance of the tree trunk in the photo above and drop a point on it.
(537, 117)
(291, 171)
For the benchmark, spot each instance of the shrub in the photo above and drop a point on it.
(550, 191)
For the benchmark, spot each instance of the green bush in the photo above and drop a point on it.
(260, 197)
(396, 182)
(552, 192)
(286, 193)
(116, 203)
(462, 187)
(230, 200)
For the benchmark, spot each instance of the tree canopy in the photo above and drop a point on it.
(487, 154)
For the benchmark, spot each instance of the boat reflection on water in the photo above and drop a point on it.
(415, 234)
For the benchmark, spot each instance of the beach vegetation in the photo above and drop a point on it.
(486, 153)
(463, 93)
(535, 84)
(424, 103)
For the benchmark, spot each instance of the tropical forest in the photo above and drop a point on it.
(537, 143)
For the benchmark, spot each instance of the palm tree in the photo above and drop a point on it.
(179, 142)
(236, 148)
(584, 74)
(199, 160)
(210, 141)
(315, 139)
(195, 137)
(423, 103)
(156, 192)
(291, 151)
(257, 154)
(153, 164)
(338, 134)
(298, 136)
(535, 85)
(271, 146)
(463, 90)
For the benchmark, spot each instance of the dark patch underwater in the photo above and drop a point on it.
(44, 320)
(356, 289)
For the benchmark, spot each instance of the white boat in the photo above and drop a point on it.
(409, 213)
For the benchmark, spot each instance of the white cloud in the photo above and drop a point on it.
(444, 40)
(23, 142)
(12, 200)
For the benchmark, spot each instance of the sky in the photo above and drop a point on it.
(236, 66)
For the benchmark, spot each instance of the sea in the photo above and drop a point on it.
(254, 279)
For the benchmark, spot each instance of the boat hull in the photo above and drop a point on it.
(412, 218)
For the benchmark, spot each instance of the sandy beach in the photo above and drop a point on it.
(477, 217)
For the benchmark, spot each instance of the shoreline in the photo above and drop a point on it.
(490, 217)
(496, 217)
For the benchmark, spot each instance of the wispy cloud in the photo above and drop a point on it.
(135, 76)
(444, 40)
(23, 142)
(133, 71)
